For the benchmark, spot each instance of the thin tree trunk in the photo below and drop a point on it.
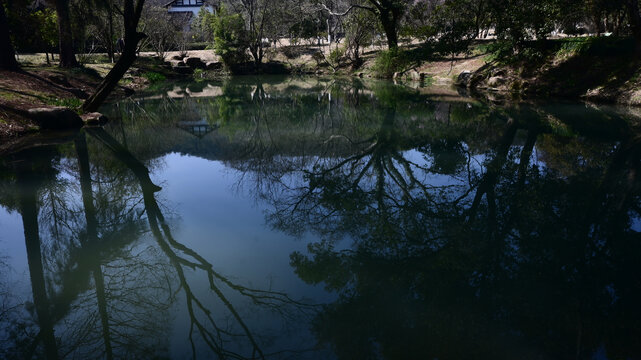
(67, 54)
(92, 238)
(110, 46)
(7, 52)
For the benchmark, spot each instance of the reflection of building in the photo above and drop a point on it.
(197, 128)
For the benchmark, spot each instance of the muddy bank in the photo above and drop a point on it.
(598, 70)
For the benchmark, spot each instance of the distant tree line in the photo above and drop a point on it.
(241, 30)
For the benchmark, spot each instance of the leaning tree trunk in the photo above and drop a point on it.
(65, 35)
(7, 53)
(131, 16)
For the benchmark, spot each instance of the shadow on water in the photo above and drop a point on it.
(457, 229)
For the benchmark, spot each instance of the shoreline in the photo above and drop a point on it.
(612, 80)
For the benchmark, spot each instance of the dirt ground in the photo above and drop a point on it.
(31, 88)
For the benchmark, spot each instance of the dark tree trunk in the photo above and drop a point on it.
(65, 35)
(7, 53)
(390, 32)
(389, 20)
(131, 15)
(635, 20)
(111, 80)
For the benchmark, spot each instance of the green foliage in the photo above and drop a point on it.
(230, 37)
(390, 61)
(336, 56)
(154, 77)
(32, 31)
(201, 27)
(521, 21)
(72, 103)
(360, 27)
(307, 28)
(456, 25)
(47, 23)
(595, 46)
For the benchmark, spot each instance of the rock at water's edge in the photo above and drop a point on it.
(214, 65)
(194, 62)
(183, 69)
(94, 118)
(56, 118)
(464, 78)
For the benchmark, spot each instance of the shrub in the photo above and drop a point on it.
(230, 38)
(153, 77)
(336, 57)
(390, 61)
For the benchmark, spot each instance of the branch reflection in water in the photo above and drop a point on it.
(444, 226)
(99, 291)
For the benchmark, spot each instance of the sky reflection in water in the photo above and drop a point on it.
(319, 218)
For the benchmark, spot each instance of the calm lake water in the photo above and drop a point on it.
(305, 218)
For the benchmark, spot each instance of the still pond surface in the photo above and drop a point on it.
(305, 218)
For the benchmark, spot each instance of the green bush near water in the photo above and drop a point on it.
(154, 77)
(390, 61)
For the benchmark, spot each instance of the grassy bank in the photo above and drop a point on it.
(40, 85)
(597, 69)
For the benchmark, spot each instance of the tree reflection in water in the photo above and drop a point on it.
(98, 290)
(448, 229)
(464, 248)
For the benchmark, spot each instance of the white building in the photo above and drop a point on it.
(188, 6)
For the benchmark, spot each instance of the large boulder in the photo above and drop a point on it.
(183, 69)
(175, 63)
(214, 65)
(414, 75)
(94, 118)
(464, 78)
(59, 79)
(56, 118)
(194, 62)
(496, 81)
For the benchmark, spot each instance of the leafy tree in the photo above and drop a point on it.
(230, 37)
(161, 30)
(360, 28)
(455, 23)
(388, 12)
(519, 21)
(46, 21)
